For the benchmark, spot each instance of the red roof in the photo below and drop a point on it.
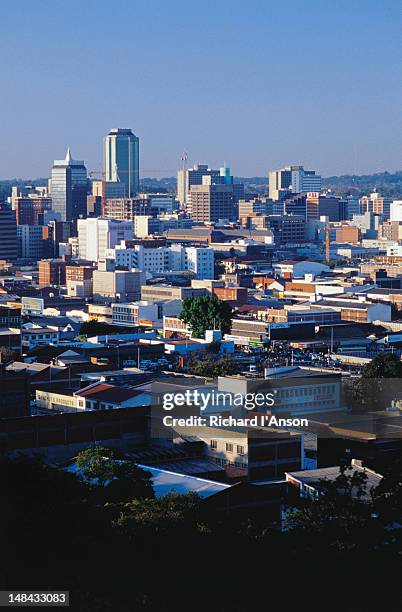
(109, 393)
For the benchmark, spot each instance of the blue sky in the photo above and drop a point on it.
(257, 84)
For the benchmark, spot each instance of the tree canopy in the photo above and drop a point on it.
(206, 312)
(122, 479)
(380, 383)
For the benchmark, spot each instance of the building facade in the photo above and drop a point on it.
(69, 188)
(122, 159)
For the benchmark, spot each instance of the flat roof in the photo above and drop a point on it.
(165, 482)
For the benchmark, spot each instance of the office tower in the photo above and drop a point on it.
(193, 176)
(8, 234)
(210, 202)
(31, 191)
(256, 206)
(29, 209)
(113, 189)
(297, 205)
(352, 207)
(69, 188)
(377, 204)
(121, 159)
(31, 241)
(292, 179)
(97, 235)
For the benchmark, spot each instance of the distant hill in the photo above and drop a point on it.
(386, 183)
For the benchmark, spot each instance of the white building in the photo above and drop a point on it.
(200, 261)
(119, 285)
(293, 179)
(97, 235)
(396, 211)
(298, 269)
(164, 259)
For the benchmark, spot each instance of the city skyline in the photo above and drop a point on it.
(260, 86)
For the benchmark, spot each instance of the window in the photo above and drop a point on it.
(240, 450)
(214, 444)
(229, 447)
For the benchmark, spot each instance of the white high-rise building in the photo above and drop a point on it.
(396, 211)
(97, 235)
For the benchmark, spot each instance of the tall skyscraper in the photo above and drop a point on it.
(121, 160)
(69, 188)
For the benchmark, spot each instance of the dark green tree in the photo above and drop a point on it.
(8, 354)
(212, 367)
(385, 365)
(206, 312)
(121, 479)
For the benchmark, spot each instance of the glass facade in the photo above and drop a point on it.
(121, 159)
(69, 188)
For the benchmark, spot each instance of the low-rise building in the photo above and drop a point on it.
(31, 338)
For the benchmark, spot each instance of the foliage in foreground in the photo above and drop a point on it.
(171, 553)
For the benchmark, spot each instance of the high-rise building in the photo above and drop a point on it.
(121, 159)
(29, 209)
(209, 203)
(193, 176)
(8, 234)
(292, 179)
(31, 242)
(95, 235)
(377, 204)
(69, 188)
(202, 174)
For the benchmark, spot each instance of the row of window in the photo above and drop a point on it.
(229, 447)
(306, 391)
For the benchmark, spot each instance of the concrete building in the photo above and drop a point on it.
(8, 235)
(118, 285)
(159, 259)
(376, 204)
(79, 281)
(69, 188)
(396, 211)
(348, 233)
(155, 293)
(52, 272)
(29, 209)
(211, 202)
(287, 228)
(40, 336)
(97, 235)
(193, 176)
(31, 243)
(200, 261)
(121, 159)
(390, 230)
(298, 269)
(292, 179)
